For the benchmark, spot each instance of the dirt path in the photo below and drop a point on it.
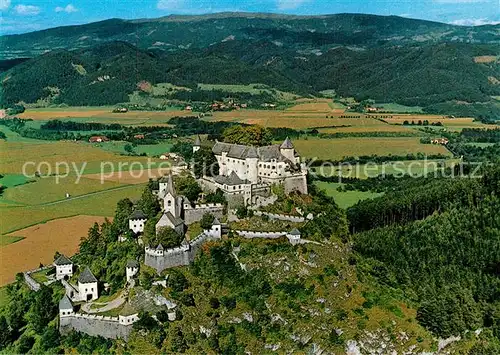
(117, 302)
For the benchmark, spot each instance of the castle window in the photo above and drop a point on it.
(260, 165)
(169, 203)
(274, 167)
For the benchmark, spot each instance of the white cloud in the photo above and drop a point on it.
(4, 4)
(27, 10)
(474, 22)
(68, 8)
(169, 4)
(289, 4)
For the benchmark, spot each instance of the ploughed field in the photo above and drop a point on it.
(39, 243)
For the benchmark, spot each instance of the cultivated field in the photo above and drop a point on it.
(129, 177)
(100, 203)
(13, 156)
(454, 124)
(339, 148)
(369, 125)
(41, 242)
(50, 188)
(363, 171)
(104, 115)
(345, 199)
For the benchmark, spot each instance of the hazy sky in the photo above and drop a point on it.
(19, 16)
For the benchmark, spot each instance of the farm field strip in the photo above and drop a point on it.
(40, 243)
(99, 114)
(336, 149)
(101, 203)
(364, 171)
(13, 155)
(51, 188)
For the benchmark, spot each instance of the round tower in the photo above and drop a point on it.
(252, 161)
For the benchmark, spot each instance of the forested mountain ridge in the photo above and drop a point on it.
(449, 262)
(426, 75)
(298, 32)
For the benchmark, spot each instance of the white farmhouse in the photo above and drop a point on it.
(64, 268)
(87, 286)
(136, 221)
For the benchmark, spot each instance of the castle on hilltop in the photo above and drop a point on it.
(246, 173)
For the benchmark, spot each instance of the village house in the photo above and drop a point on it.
(98, 139)
(442, 141)
(170, 156)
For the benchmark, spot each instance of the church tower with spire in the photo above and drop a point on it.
(167, 192)
(197, 144)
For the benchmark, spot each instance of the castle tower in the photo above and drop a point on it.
(252, 159)
(65, 307)
(287, 150)
(87, 286)
(197, 144)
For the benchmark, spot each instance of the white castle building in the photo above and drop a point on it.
(243, 169)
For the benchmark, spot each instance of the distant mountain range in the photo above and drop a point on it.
(299, 32)
(390, 59)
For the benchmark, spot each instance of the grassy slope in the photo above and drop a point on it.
(337, 301)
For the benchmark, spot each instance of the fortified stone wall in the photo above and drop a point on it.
(174, 257)
(107, 327)
(195, 214)
(32, 284)
(281, 217)
(296, 183)
(265, 235)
